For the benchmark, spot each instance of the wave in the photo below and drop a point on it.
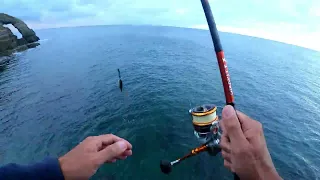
(18, 53)
(43, 40)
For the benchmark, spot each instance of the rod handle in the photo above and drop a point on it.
(231, 104)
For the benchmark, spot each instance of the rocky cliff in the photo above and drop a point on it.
(10, 42)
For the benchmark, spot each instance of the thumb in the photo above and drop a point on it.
(112, 151)
(232, 125)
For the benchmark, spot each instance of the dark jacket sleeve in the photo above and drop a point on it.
(47, 169)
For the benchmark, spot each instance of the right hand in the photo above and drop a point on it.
(244, 147)
(84, 160)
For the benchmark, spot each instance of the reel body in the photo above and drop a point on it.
(206, 126)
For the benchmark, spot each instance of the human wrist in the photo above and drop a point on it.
(267, 171)
(272, 174)
(63, 167)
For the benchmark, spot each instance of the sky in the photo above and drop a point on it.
(291, 21)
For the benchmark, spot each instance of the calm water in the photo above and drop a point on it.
(54, 96)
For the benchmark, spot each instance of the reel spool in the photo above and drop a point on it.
(206, 125)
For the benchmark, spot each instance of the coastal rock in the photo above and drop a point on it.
(21, 42)
(3, 62)
(7, 39)
(10, 42)
(33, 45)
(21, 48)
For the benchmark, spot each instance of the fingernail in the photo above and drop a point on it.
(122, 145)
(228, 111)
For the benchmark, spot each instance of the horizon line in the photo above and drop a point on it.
(202, 27)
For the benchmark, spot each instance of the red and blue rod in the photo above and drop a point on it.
(226, 81)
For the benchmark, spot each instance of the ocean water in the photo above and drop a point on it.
(55, 95)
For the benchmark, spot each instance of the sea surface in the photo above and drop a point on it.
(55, 95)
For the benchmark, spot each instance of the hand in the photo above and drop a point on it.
(85, 159)
(244, 147)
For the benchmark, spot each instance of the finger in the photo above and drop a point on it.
(226, 156)
(222, 127)
(227, 165)
(225, 144)
(112, 151)
(122, 157)
(232, 125)
(108, 139)
(128, 144)
(112, 161)
(127, 153)
(255, 135)
(251, 128)
(246, 121)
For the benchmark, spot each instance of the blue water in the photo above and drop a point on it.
(55, 95)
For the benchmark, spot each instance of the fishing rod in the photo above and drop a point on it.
(226, 81)
(204, 118)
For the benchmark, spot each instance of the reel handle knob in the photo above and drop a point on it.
(165, 166)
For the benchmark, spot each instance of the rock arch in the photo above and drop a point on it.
(8, 40)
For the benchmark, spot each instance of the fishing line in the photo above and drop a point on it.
(125, 93)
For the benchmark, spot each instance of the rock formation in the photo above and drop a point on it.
(9, 42)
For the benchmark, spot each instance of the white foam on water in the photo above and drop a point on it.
(43, 40)
(18, 53)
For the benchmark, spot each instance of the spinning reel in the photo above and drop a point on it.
(206, 126)
(206, 129)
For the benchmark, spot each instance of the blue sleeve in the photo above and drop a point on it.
(47, 169)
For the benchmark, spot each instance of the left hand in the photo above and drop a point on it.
(85, 159)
